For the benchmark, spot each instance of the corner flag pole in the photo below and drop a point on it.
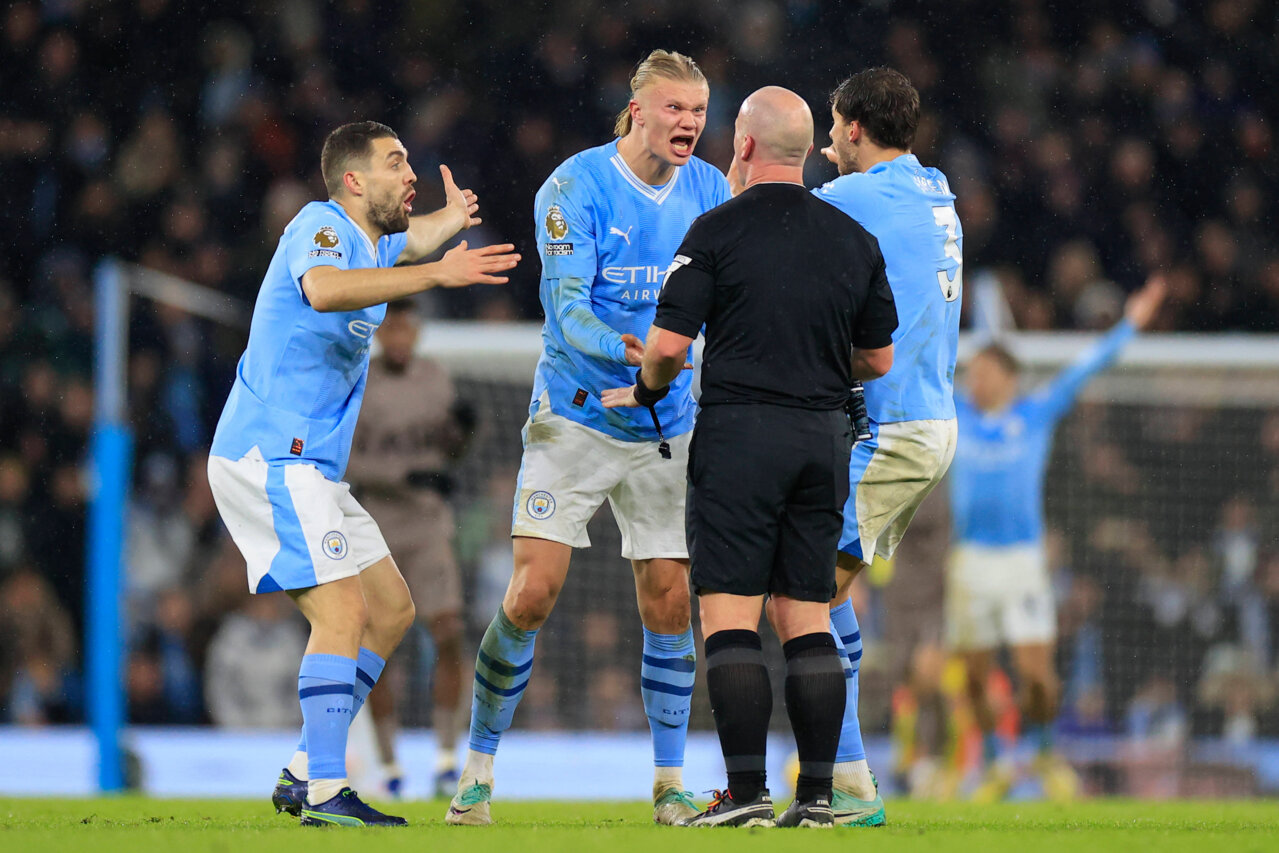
(110, 451)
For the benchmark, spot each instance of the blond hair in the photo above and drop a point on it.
(666, 64)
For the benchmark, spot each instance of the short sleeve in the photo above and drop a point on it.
(689, 290)
(877, 319)
(565, 227)
(317, 240)
(393, 247)
(852, 194)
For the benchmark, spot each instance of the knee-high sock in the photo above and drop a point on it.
(326, 684)
(843, 623)
(501, 674)
(368, 669)
(742, 702)
(666, 683)
(815, 696)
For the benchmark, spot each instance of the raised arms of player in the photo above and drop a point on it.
(1056, 399)
(332, 289)
(427, 233)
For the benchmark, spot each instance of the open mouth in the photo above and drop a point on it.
(683, 145)
(408, 202)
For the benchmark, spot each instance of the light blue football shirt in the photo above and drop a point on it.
(911, 211)
(606, 240)
(997, 478)
(299, 385)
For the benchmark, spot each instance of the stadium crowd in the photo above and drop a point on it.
(1088, 144)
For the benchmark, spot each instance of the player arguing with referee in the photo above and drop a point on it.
(608, 222)
(282, 444)
(796, 304)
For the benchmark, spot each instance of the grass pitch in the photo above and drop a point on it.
(137, 825)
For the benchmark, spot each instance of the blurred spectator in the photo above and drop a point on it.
(251, 674)
(38, 680)
(1155, 716)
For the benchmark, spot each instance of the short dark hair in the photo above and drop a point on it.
(1002, 356)
(884, 102)
(349, 142)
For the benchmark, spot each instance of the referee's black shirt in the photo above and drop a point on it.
(786, 286)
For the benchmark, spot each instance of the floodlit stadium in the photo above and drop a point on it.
(156, 150)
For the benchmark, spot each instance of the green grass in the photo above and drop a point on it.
(138, 825)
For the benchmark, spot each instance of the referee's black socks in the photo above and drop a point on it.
(742, 702)
(815, 697)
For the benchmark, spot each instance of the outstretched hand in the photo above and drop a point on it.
(1143, 305)
(619, 398)
(461, 266)
(465, 202)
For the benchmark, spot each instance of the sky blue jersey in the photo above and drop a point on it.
(997, 478)
(606, 240)
(911, 211)
(299, 385)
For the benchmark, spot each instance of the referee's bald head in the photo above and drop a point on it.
(781, 124)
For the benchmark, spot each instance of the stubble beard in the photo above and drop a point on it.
(389, 217)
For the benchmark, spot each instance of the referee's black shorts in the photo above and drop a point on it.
(766, 492)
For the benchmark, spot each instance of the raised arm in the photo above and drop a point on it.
(1059, 395)
(427, 233)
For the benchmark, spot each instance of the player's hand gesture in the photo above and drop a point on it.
(465, 202)
(461, 266)
(634, 350)
(619, 398)
(1143, 305)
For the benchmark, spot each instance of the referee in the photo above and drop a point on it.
(796, 305)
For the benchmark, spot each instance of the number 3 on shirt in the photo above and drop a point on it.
(950, 285)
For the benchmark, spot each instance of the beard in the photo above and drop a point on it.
(847, 161)
(388, 215)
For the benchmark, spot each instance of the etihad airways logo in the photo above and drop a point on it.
(634, 275)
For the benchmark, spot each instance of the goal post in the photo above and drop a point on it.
(109, 475)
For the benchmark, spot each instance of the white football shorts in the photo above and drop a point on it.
(998, 595)
(569, 470)
(890, 474)
(295, 528)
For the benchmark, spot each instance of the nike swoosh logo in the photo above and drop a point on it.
(456, 810)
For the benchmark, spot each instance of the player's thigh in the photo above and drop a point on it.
(649, 501)
(733, 509)
(566, 472)
(890, 476)
(792, 617)
(287, 520)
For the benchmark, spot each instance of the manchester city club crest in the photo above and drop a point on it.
(334, 545)
(541, 505)
(556, 224)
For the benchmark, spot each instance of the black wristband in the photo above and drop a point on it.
(646, 396)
